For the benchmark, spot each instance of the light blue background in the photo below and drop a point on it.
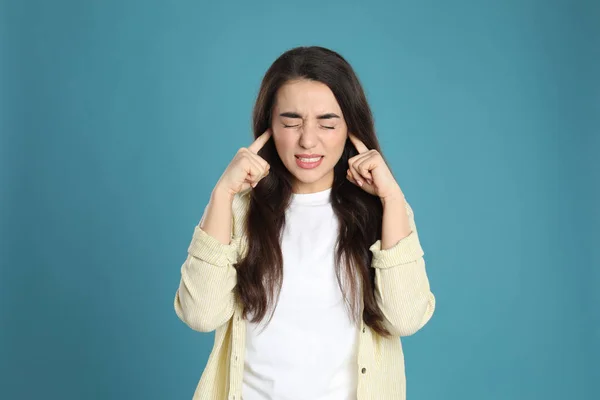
(118, 117)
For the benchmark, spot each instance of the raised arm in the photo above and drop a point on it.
(402, 288)
(205, 298)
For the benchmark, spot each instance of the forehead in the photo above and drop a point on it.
(306, 96)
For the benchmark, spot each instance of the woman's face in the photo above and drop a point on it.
(309, 132)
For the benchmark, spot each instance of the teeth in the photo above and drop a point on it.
(309, 160)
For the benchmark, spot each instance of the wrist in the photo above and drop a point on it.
(220, 194)
(392, 198)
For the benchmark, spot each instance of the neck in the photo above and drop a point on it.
(312, 187)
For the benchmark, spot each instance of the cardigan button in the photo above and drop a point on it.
(364, 371)
(363, 329)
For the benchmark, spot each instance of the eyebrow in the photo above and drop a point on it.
(296, 115)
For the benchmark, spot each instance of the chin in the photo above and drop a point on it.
(308, 177)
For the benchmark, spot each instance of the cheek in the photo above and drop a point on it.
(283, 143)
(336, 144)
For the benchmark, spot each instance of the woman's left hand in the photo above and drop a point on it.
(369, 171)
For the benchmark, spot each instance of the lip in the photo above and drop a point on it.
(308, 165)
(308, 155)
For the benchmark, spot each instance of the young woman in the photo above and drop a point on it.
(307, 261)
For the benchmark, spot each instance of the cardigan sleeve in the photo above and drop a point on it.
(402, 288)
(205, 299)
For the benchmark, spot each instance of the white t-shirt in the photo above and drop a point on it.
(308, 350)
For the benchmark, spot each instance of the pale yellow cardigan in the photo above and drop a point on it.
(205, 302)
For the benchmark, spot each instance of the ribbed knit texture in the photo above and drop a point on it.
(205, 302)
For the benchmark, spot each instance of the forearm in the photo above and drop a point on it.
(404, 296)
(401, 284)
(395, 223)
(217, 218)
(205, 298)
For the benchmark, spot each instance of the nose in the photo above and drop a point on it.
(308, 137)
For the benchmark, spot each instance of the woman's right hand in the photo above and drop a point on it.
(246, 169)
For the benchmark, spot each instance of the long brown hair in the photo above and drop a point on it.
(260, 272)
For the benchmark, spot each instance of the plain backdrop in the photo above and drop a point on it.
(118, 117)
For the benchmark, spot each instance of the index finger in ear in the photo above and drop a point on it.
(260, 142)
(360, 146)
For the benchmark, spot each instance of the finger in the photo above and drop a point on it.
(360, 173)
(351, 178)
(259, 180)
(355, 176)
(257, 172)
(360, 146)
(265, 166)
(261, 161)
(354, 172)
(364, 167)
(245, 186)
(260, 142)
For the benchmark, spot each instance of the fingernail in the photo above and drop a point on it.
(370, 182)
(359, 183)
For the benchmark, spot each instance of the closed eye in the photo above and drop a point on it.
(295, 126)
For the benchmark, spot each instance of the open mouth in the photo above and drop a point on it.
(308, 162)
